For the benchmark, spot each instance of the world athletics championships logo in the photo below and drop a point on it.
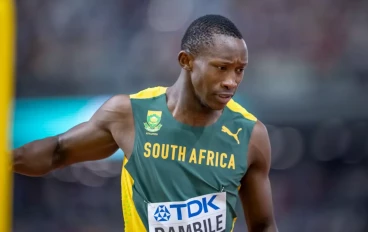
(162, 214)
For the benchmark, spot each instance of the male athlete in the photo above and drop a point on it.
(190, 150)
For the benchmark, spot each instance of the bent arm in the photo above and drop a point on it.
(255, 191)
(91, 140)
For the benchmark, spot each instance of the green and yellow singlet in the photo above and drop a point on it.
(181, 178)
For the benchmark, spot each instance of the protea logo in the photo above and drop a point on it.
(153, 121)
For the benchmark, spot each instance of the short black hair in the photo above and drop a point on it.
(201, 31)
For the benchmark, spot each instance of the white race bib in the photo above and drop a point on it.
(198, 214)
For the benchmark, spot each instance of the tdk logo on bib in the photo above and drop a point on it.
(203, 213)
(194, 207)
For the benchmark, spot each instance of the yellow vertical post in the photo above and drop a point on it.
(7, 42)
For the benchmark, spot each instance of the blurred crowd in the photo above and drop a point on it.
(307, 80)
(89, 47)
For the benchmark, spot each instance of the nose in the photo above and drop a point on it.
(229, 83)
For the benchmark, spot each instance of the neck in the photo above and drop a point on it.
(185, 105)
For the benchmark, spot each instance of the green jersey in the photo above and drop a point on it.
(182, 178)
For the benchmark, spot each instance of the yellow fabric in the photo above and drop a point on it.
(6, 89)
(132, 220)
(235, 107)
(149, 93)
(232, 228)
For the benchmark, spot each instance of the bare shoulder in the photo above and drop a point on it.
(115, 109)
(118, 104)
(116, 117)
(259, 146)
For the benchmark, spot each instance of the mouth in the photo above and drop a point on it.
(224, 98)
(225, 95)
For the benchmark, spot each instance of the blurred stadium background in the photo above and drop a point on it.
(307, 80)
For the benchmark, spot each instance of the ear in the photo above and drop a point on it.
(185, 60)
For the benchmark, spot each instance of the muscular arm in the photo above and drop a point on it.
(91, 140)
(255, 191)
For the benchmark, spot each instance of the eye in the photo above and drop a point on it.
(222, 68)
(240, 70)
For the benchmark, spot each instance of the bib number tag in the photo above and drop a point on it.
(203, 213)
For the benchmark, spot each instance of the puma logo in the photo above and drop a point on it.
(227, 131)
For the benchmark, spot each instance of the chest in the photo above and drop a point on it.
(212, 152)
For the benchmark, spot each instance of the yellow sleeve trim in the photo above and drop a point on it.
(235, 107)
(132, 220)
(233, 226)
(149, 93)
